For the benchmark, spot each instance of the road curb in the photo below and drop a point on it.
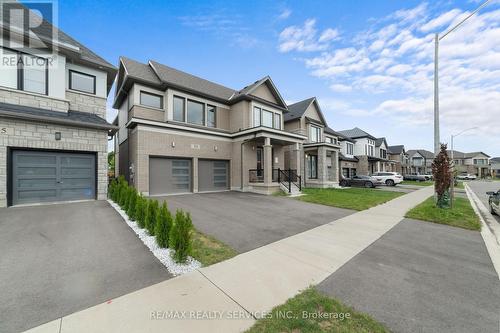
(489, 231)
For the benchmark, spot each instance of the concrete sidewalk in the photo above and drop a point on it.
(237, 290)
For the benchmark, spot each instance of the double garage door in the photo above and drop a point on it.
(175, 175)
(39, 176)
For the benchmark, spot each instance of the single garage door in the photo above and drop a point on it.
(169, 175)
(213, 175)
(39, 176)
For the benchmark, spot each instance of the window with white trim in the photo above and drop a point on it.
(267, 118)
(314, 134)
(349, 148)
(256, 116)
(277, 121)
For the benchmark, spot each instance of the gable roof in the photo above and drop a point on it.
(398, 149)
(425, 153)
(297, 110)
(495, 160)
(474, 154)
(341, 137)
(356, 132)
(456, 154)
(162, 76)
(379, 141)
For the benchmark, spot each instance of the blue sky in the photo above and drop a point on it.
(368, 62)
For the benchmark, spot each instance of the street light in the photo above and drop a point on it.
(453, 163)
(437, 38)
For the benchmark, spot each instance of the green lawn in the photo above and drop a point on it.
(351, 198)
(208, 250)
(461, 215)
(414, 182)
(299, 314)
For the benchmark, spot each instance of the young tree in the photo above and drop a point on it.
(140, 211)
(180, 236)
(163, 225)
(442, 177)
(151, 214)
(132, 203)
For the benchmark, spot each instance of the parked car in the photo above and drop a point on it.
(428, 176)
(494, 201)
(361, 181)
(466, 176)
(415, 177)
(389, 178)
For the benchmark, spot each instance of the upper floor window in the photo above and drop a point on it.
(349, 148)
(151, 100)
(383, 153)
(211, 117)
(328, 140)
(195, 112)
(82, 82)
(256, 116)
(25, 72)
(267, 118)
(277, 121)
(369, 150)
(179, 104)
(314, 134)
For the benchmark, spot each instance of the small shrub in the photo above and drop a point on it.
(140, 211)
(151, 214)
(180, 236)
(163, 225)
(131, 204)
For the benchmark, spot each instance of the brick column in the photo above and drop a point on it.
(322, 166)
(335, 166)
(268, 161)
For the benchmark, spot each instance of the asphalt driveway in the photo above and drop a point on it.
(246, 221)
(422, 277)
(58, 259)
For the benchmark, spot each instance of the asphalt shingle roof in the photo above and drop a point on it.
(425, 153)
(398, 149)
(140, 71)
(495, 160)
(297, 110)
(356, 132)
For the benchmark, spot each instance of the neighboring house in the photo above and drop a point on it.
(473, 163)
(398, 154)
(321, 148)
(370, 152)
(180, 133)
(495, 167)
(420, 161)
(53, 132)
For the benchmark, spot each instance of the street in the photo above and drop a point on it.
(480, 187)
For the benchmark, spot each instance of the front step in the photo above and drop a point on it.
(294, 192)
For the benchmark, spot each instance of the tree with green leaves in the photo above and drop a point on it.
(180, 238)
(441, 170)
(151, 214)
(163, 225)
(131, 204)
(140, 211)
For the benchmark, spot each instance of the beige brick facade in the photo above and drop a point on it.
(24, 134)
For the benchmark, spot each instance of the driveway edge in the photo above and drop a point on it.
(488, 226)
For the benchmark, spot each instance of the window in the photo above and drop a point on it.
(267, 118)
(349, 148)
(23, 71)
(314, 134)
(82, 82)
(256, 116)
(383, 153)
(151, 100)
(211, 116)
(195, 113)
(179, 103)
(329, 139)
(312, 166)
(277, 121)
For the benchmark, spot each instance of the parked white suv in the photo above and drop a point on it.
(389, 178)
(466, 176)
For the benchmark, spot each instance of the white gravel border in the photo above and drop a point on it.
(164, 255)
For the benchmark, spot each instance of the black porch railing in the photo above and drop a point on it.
(289, 177)
(257, 175)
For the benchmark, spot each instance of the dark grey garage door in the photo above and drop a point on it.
(169, 175)
(39, 176)
(213, 175)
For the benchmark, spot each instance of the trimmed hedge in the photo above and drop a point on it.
(180, 236)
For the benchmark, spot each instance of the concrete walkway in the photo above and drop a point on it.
(242, 288)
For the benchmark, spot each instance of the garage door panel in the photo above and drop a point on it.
(39, 176)
(169, 175)
(213, 175)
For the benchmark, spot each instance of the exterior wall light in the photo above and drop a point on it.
(58, 136)
(173, 144)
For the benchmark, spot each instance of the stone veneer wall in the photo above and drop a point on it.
(87, 103)
(33, 100)
(24, 134)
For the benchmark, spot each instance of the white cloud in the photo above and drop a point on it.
(284, 14)
(305, 38)
(441, 20)
(341, 87)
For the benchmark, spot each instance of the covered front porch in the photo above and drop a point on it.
(321, 165)
(272, 162)
(381, 165)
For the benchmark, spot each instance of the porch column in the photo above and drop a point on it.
(335, 166)
(322, 166)
(268, 161)
(295, 158)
